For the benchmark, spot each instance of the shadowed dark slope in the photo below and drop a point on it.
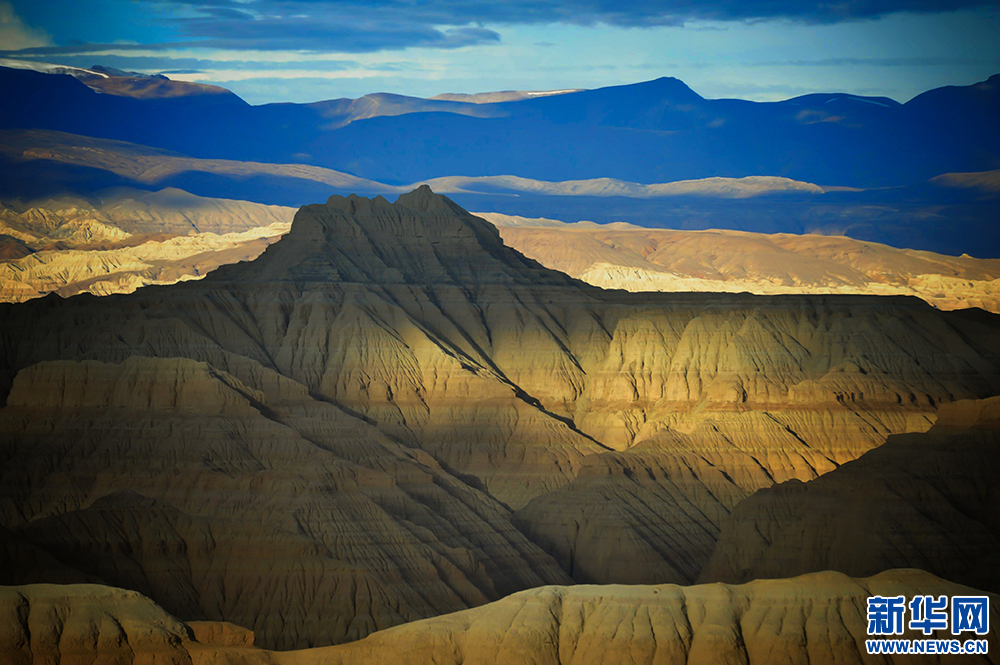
(925, 501)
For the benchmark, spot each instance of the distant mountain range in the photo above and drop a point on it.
(624, 256)
(653, 132)
(125, 239)
(920, 175)
(501, 96)
(951, 214)
(119, 162)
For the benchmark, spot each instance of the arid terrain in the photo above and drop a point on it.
(125, 239)
(238, 429)
(623, 256)
(817, 618)
(389, 415)
(121, 239)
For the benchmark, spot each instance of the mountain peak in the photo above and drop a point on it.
(670, 80)
(423, 238)
(424, 199)
(673, 87)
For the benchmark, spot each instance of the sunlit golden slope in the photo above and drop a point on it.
(622, 256)
(817, 619)
(125, 239)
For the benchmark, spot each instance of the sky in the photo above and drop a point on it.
(310, 50)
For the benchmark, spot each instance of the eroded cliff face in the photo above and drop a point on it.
(411, 325)
(818, 618)
(79, 624)
(124, 239)
(83, 624)
(922, 500)
(274, 511)
(815, 619)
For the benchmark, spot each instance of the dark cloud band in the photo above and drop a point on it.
(358, 26)
(611, 12)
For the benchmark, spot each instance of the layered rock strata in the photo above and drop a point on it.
(624, 256)
(380, 390)
(815, 619)
(125, 239)
(274, 511)
(926, 500)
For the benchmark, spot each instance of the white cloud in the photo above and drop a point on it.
(132, 50)
(14, 34)
(229, 75)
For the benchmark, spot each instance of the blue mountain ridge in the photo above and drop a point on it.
(656, 131)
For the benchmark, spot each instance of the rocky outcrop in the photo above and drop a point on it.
(82, 624)
(126, 239)
(136, 262)
(809, 620)
(400, 381)
(12, 248)
(221, 633)
(113, 215)
(921, 500)
(666, 498)
(276, 512)
(812, 619)
(635, 517)
(623, 256)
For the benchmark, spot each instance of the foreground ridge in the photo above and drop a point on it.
(813, 619)
(919, 500)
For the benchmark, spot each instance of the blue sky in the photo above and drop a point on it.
(307, 50)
